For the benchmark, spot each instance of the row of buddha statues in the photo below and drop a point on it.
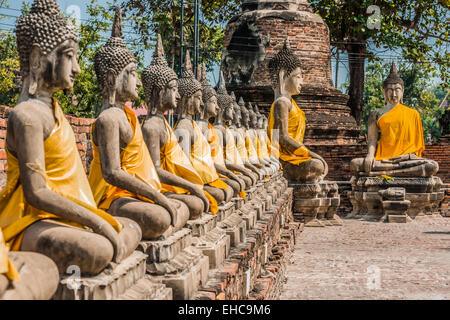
(146, 181)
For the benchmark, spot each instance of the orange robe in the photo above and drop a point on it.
(243, 152)
(231, 150)
(401, 133)
(6, 266)
(64, 174)
(250, 146)
(134, 159)
(262, 143)
(296, 130)
(175, 161)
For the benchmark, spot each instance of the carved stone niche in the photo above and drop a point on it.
(244, 54)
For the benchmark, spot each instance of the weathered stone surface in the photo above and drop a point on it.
(110, 284)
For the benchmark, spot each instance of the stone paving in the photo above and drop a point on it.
(369, 260)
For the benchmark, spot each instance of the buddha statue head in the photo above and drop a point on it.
(393, 87)
(245, 121)
(48, 49)
(224, 100)
(209, 97)
(286, 72)
(260, 121)
(115, 67)
(190, 90)
(253, 116)
(160, 82)
(237, 119)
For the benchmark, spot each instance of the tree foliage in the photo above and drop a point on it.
(163, 16)
(418, 28)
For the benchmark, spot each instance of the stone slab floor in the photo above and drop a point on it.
(370, 260)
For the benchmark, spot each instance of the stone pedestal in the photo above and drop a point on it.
(315, 204)
(424, 196)
(177, 264)
(123, 281)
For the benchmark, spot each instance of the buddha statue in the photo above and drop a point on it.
(263, 143)
(215, 138)
(47, 205)
(123, 177)
(398, 151)
(254, 138)
(222, 123)
(239, 134)
(288, 121)
(244, 131)
(192, 140)
(178, 178)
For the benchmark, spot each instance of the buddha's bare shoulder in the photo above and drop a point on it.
(31, 112)
(281, 102)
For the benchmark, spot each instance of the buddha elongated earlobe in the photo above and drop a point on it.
(35, 66)
(111, 86)
(281, 84)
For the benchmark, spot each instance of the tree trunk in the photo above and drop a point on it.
(356, 61)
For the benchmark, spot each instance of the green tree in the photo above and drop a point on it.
(418, 28)
(163, 16)
(9, 66)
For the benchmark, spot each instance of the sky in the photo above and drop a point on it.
(70, 6)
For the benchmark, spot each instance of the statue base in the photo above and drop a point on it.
(422, 198)
(176, 263)
(123, 281)
(316, 203)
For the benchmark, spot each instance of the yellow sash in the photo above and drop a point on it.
(401, 133)
(216, 146)
(250, 145)
(175, 161)
(262, 150)
(241, 145)
(231, 151)
(6, 266)
(64, 174)
(296, 130)
(134, 159)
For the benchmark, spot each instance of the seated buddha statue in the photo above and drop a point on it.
(254, 138)
(398, 151)
(192, 140)
(222, 123)
(263, 144)
(47, 205)
(239, 135)
(178, 177)
(245, 132)
(215, 138)
(123, 177)
(288, 122)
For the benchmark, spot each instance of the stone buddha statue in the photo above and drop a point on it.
(123, 177)
(223, 121)
(288, 121)
(246, 133)
(192, 140)
(254, 138)
(47, 205)
(239, 134)
(262, 143)
(215, 137)
(398, 151)
(178, 177)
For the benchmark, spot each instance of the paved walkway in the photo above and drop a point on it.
(369, 260)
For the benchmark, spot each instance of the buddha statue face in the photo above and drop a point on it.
(194, 103)
(229, 112)
(211, 107)
(245, 118)
(126, 84)
(393, 93)
(58, 69)
(292, 83)
(260, 122)
(237, 119)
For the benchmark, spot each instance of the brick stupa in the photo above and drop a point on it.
(254, 36)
